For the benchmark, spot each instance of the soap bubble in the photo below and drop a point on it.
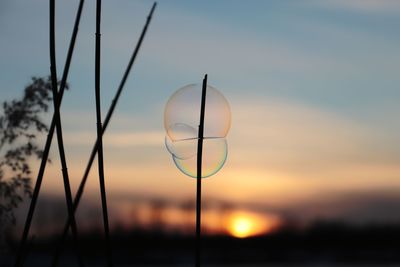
(181, 122)
(181, 141)
(183, 107)
(215, 152)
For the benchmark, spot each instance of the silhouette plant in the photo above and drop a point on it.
(21, 122)
(107, 119)
(21, 252)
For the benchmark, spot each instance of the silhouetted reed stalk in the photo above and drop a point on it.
(100, 137)
(199, 174)
(105, 124)
(21, 250)
(60, 142)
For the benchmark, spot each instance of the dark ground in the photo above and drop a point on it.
(323, 244)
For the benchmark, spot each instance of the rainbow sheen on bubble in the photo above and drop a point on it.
(181, 122)
(215, 152)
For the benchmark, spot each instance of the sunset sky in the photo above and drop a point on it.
(313, 88)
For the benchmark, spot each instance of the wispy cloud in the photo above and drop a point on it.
(148, 138)
(291, 134)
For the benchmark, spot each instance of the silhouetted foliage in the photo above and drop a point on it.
(20, 124)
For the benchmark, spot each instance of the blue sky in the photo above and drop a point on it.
(313, 87)
(335, 55)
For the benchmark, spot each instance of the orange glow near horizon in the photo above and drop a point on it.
(244, 224)
(241, 227)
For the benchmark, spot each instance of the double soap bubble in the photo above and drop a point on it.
(181, 122)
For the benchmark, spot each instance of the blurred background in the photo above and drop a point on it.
(312, 175)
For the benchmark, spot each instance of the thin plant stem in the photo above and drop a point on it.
(199, 169)
(21, 253)
(60, 142)
(105, 124)
(100, 137)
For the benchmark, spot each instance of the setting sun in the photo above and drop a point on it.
(241, 227)
(245, 224)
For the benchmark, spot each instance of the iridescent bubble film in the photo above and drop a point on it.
(181, 122)
(215, 151)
